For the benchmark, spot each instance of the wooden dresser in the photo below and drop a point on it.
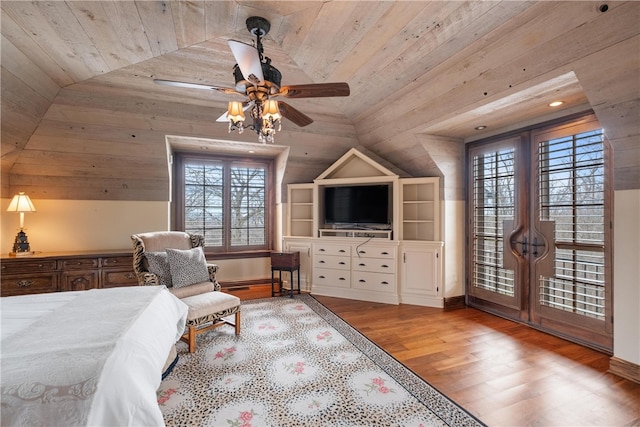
(66, 271)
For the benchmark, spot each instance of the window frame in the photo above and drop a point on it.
(178, 199)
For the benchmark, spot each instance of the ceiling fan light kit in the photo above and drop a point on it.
(259, 81)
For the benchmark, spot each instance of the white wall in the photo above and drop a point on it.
(83, 225)
(92, 225)
(454, 247)
(626, 276)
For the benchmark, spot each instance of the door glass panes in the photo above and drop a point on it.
(248, 192)
(493, 203)
(571, 194)
(203, 201)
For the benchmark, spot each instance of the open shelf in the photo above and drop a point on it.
(376, 234)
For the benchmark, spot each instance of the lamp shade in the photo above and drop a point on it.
(270, 110)
(235, 112)
(21, 203)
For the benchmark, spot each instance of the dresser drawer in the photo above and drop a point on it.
(376, 265)
(327, 261)
(28, 266)
(374, 281)
(79, 263)
(78, 280)
(337, 278)
(388, 252)
(331, 249)
(29, 284)
(118, 261)
(112, 279)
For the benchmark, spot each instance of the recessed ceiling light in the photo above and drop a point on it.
(481, 127)
(556, 103)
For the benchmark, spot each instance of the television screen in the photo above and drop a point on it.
(357, 205)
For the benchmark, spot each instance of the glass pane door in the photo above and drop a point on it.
(538, 232)
(495, 219)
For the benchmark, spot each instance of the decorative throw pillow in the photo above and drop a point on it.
(188, 267)
(159, 265)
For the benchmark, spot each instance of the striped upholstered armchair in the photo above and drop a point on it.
(176, 260)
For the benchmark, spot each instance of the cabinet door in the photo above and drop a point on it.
(79, 280)
(304, 247)
(421, 275)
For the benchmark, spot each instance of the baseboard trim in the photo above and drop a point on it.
(454, 303)
(239, 284)
(624, 369)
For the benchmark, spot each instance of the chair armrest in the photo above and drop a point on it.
(213, 269)
(148, 279)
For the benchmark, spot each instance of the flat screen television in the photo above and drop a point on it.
(357, 205)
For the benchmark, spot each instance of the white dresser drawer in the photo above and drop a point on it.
(366, 251)
(374, 281)
(376, 265)
(327, 261)
(331, 249)
(327, 277)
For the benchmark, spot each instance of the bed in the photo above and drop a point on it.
(88, 357)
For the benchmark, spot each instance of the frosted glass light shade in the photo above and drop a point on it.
(235, 112)
(270, 110)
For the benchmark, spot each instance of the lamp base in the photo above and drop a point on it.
(21, 244)
(21, 254)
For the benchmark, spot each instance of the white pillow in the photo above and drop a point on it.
(187, 267)
(159, 265)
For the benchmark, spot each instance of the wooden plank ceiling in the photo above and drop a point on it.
(82, 118)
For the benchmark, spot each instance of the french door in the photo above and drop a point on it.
(539, 230)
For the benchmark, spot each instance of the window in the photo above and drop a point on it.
(226, 199)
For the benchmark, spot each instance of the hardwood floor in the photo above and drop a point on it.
(504, 373)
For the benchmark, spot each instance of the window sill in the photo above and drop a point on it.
(262, 253)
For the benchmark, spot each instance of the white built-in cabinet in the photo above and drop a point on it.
(301, 210)
(421, 273)
(400, 265)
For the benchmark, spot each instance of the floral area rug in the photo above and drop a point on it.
(296, 363)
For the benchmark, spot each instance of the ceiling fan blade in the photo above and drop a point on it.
(173, 83)
(248, 60)
(315, 90)
(294, 115)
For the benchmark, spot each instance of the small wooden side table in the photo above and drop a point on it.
(285, 261)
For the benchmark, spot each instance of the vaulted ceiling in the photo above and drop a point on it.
(82, 118)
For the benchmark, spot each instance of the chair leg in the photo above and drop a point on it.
(192, 339)
(238, 323)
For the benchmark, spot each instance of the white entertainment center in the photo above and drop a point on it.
(398, 262)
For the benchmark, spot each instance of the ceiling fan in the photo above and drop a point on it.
(258, 81)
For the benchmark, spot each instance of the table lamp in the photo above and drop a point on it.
(21, 203)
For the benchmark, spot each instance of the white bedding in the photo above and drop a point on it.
(87, 358)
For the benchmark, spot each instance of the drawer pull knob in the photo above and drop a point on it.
(40, 265)
(321, 262)
(341, 263)
(385, 283)
(342, 251)
(322, 277)
(384, 266)
(24, 283)
(362, 281)
(321, 250)
(362, 252)
(342, 278)
(385, 253)
(362, 264)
